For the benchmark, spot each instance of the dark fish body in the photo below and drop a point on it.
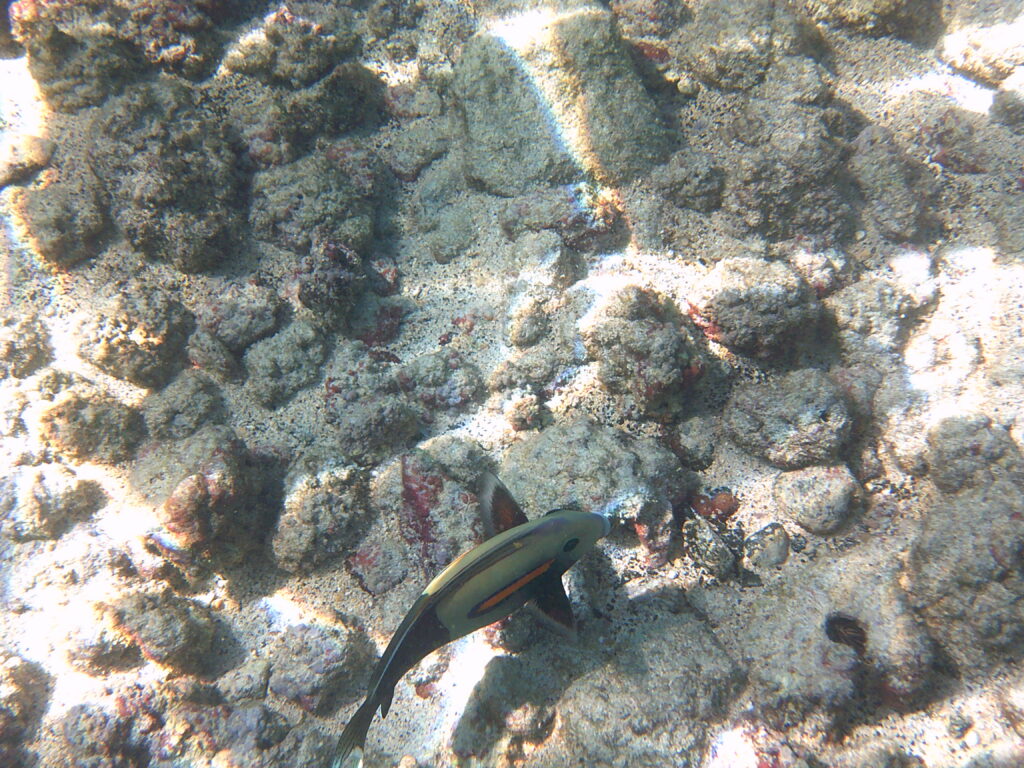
(521, 563)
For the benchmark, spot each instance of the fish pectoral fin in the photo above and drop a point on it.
(498, 510)
(550, 605)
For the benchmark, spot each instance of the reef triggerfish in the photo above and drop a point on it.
(522, 561)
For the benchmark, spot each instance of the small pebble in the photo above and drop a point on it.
(766, 548)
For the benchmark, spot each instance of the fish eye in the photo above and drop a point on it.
(570, 545)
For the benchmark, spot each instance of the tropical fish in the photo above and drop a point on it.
(520, 562)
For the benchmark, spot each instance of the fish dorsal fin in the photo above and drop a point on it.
(550, 605)
(498, 510)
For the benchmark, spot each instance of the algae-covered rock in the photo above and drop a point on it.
(590, 84)
(797, 420)
(173, 173)
(191, 401)
(643, 347)
(652, 703)
(205, 486)
(68, 218)
(756, 307)
(898, 188)
(870, 315)
(42, 502)
(731, 44)
(820, 499)
(293, 51)
(86, 426)
(24, 346)
(138, 334)
(283, 364)
(790, 178)
(312, 665)
(877, 17)
(82, 52)
(169, 630)
(964, 570)
(312, 196)
(320, 519)
(240, 314)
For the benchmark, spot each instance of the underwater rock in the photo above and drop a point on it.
(87, 426)
(313, 665)
(24, 346)
(731, 44)
(755, 307)
(877, 17)
(207, 353)
(693, 441)
(205, 485)
(173, 174)
(584, 463)
(1008, 103)
(984, 44)
(254, 727)
(799, 419)
(315, 196)
(642, 347)
(320, 518)
(138, 334)
(416, 145)
(42, 502)
(22, 158)
(651, 704)
(82, 52)
(820, 499)
(97, 648)
(690, 179)
(964, 571)
(441, 380)
(68, 219)
(326, 282)
(871, 316)
(278, 125)
(708, 549)
(95, 737)
(435, 514)
(581, 463)
(789, 178)
(506, 136)
(240, 314)
(766, 548)
(172, 631)
(248, 681)
(191, 401)
(293, 51)
(371, 429)
(970, 452)
(898, 188)
(797, 80)
(23, 694)
(817, 633)
(503, 706)
(379, 562)
(281, 365)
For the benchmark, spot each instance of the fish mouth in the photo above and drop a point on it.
(606, 524)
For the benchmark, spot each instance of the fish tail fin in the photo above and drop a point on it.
(354, 735)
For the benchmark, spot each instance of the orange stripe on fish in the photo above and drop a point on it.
(516, 585)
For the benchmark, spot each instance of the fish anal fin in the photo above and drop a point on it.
(498, 510)
(550, 605)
